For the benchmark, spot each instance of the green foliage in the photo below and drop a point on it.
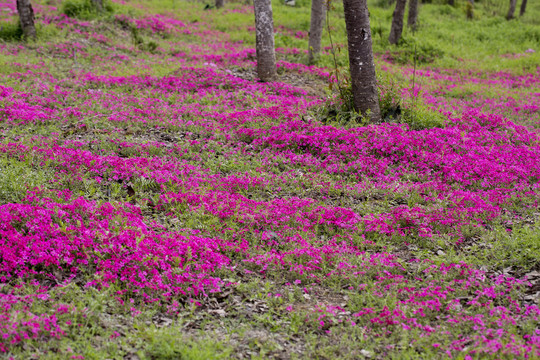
(385, 3)
(420, 116)
(390, 100)
(339, 110)
(11, 31)
(414, 113)
(84, 9)
(166, 344)
(17, 177)
(503, 248)
(447, 10)
(412, 51)
(138, 39)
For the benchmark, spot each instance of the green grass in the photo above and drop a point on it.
(11, 31)
(104, 328)
(17, 178)
(85, 9)
(445, 37)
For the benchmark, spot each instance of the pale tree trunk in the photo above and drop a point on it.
(219, 4)
(318, 12)
(98, 4)
(511, 9)
(26, 18)
(523, 7)
(363, 79)
(413, 14)
(397, 22)
(264, 39)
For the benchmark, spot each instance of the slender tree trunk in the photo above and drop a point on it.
(511, 9)
(451, 2)
(318, 11)
(26, 18)
(98, 4)
(264, 39)
(413, 14)
(469, 9)
(219, 4)
(364, 81)
(523, 7)
(397, 22)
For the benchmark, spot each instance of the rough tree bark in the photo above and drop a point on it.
(219, 4)
(413, 14)
(511, 9)
(363, 79)
(98, 4)
(397, 22)
(264, 40)
(26, 18)
(318, 12)
(523, 7)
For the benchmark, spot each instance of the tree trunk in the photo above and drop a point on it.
(469, 9)
(451, 2)
(98, 4)
(413, 14)
(511, 9)
(523, 7)
(219, 4)
(397, 22)
(363, 79)
(318, 12)
(26, 18)
(264, 39)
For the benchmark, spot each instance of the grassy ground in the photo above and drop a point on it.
(159, 203)
(444, 38)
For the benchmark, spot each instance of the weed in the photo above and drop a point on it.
(11, 31)
(85, 9)
(410, 51)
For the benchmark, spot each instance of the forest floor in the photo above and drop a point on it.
(158, 202)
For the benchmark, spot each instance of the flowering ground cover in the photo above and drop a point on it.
(159, 203)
